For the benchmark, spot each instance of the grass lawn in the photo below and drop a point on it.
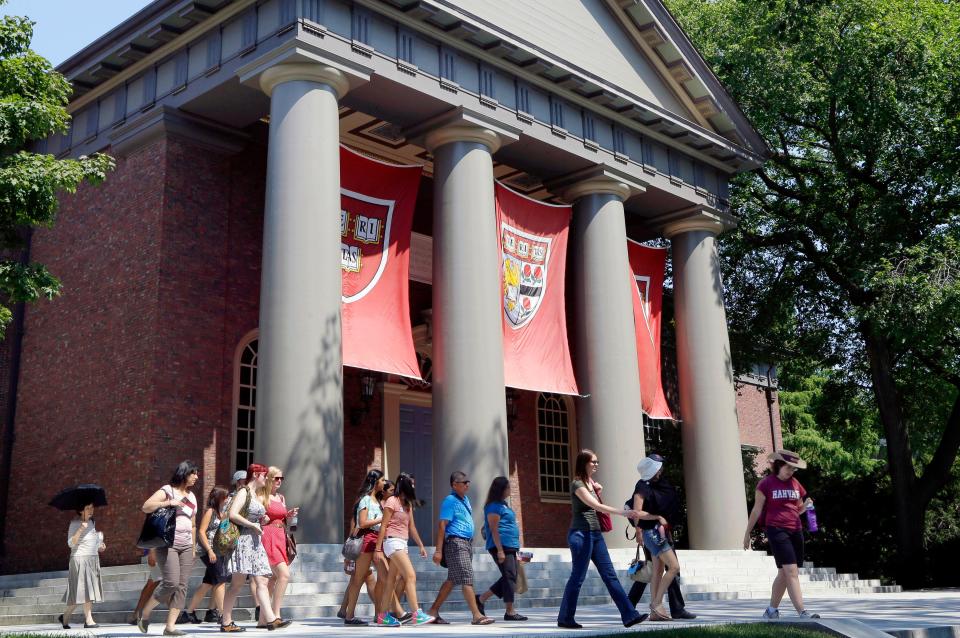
(747, 630)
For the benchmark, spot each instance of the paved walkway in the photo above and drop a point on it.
(886, 612)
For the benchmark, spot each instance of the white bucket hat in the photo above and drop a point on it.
(239, 475)
(649, 466)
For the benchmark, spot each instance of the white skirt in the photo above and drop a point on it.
(84, 582)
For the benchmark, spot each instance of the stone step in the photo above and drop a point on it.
(318, 583)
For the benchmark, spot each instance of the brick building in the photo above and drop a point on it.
(151, 354)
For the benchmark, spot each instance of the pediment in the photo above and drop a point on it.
(633, 46)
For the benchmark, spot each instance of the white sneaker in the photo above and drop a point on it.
(769, 614)
(807, 614)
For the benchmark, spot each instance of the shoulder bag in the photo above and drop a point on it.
(228, 533)
(352, 547)
(640, 570)
(159, 528)
(606, 523)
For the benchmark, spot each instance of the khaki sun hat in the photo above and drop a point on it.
(790, 458)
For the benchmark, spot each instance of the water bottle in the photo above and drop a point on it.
(293, 523)
(812, 518)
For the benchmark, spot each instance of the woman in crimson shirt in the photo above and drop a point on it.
(780, 499)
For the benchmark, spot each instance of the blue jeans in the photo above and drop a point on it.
(584, 547)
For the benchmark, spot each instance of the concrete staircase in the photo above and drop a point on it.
(319, 582)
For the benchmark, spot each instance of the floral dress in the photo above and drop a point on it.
(250, 557)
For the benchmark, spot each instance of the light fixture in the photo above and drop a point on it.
(368, 385)
(512, 405)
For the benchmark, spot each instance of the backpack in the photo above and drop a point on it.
(228, 532)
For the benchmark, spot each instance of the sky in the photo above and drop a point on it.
(63, 27)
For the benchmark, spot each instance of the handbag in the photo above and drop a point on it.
(159, 528)
(640, 570)
(353, 546)
(606, 523)
(291, 547)
(522, 585)
(228, 533)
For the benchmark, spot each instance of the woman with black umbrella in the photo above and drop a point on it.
(84, 584)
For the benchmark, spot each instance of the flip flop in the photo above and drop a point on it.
(440, 621)
(483, 621)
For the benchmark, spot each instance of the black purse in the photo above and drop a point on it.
(159, 528)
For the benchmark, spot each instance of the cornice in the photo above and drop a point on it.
(173, 123)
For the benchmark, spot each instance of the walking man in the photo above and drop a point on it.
(455, 528)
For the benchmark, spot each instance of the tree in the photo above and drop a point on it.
(33, 101)
(848, 250)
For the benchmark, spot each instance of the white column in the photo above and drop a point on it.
(300, 373)
(713, 466)
(469, 402)
(605, 347)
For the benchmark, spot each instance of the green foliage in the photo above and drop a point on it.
(750, 630)
(33, 101)
(844, 266)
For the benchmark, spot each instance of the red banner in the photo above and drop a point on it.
(532, 239)
(648, 265)
(376, 213)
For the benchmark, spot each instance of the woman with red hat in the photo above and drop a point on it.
(780, 499)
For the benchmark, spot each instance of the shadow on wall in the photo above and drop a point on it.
(317, 457)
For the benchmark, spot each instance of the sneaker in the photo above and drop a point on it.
(771, 614)
(212, 615)
(183, 618)
(173, 632)
(514, 617)
(421, 618)
(356, 622)
(405, 618)
(683, 614)
(807, 614)
(192, 617)
(143, 624)
(342, 615)
(386, 619)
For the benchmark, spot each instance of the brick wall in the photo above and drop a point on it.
(85, 408)
(754, 413)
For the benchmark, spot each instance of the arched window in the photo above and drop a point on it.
(553, 444)
(246, 405)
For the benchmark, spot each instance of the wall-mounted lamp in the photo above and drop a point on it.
(368, 385)
(512, 405)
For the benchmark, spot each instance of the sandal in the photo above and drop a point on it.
(657, 615)
(232, 627)
(483, 620)
(437, 620)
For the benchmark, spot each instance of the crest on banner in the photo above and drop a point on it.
(364, 241)
(525, 258)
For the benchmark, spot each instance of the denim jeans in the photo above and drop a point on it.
(586, 546)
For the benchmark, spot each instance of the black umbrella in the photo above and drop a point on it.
(77, 497)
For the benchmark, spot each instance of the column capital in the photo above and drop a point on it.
(307, 72)
(703, 218)
(462, 125)
(596, 180)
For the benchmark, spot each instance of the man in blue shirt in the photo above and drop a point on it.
(455, 527)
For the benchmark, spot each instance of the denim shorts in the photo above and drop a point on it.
(655, 543)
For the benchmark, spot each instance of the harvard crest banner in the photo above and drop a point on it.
(533, 249)
(376, 213)
(647, 265)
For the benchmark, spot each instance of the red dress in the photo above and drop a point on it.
(275, 534)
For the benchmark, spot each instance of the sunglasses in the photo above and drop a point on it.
(462, 482)
(278, 479)
(657, 458)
